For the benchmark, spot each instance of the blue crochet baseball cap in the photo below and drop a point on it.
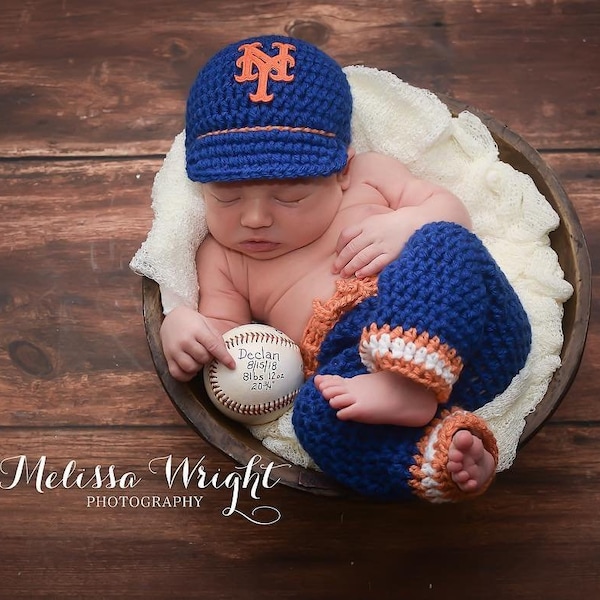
(269, 107)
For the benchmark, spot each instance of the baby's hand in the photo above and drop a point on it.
(189, 342)
(365, 249)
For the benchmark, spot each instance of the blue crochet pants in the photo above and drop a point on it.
(445, 315)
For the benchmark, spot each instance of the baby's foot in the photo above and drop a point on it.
(469, 463)
(378, 398)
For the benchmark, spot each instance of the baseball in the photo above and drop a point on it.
(266, 379)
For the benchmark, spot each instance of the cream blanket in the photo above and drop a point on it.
(508, 212)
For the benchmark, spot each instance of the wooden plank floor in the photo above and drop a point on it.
(91, 96)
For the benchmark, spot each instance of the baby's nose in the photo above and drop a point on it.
(256, 214)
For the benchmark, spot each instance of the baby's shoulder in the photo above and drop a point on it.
(209, 247)
(378, 170)
(210, 254)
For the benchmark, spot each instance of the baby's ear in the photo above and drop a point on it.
(344, 174)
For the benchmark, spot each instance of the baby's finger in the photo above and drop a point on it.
(346, 236)
(347, 254)
(192, 364)
(215, 345)
(193, 353)
(179, 373)
(360, 263)
(374, 267)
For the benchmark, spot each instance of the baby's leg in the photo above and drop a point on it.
(380, 398)
(387, 398)
(423, 323)
(371, 460)
(391, 462)
(443, 309)
(448, 318)
(432, 307)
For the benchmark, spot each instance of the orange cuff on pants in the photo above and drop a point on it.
(431, 480)
(420, 357)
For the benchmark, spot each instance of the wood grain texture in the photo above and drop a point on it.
(518, 540)
(111, 78)
(91, 97)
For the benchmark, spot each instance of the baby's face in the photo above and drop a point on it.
(265, 219)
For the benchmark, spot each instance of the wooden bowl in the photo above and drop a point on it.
(568, 241)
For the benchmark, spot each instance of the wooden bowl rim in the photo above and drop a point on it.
(235, 441)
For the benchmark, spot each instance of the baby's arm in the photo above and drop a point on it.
(366, 248)
(191, 338)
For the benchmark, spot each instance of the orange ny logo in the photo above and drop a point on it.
(256, 65)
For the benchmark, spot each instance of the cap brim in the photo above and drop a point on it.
(239, 156)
